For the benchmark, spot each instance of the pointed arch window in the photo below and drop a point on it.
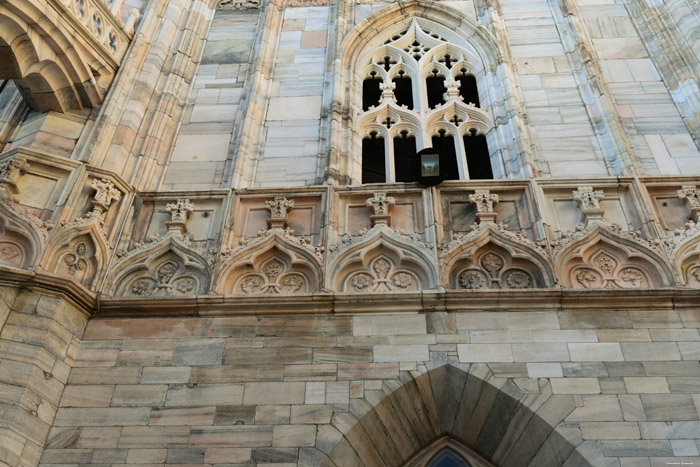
(419, 90)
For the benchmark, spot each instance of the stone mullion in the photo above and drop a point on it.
(329, 166)
(614, 142)
(519, 155)
(258, 88)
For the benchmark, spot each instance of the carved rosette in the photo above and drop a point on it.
(382, 275)
(491, 257)
(275, 277)
(604, 271)
(167, 278)
(494, 272)
(603, 257)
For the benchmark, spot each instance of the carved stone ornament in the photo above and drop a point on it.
(105, 194)
(10, 171)
(179, 215)
(278, 207)
(168, 266)
(380, 260)
(589, 202)
(239, 4)
(303, 3)
(683, 249)
(277, 263)
(484, 202)
(606, 257)
(380, 204)
(691, 195)
(23, 235)
(491, 257)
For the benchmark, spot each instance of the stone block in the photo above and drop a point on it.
(294, 435)
(102, 416)
(87, 396)
(673, 430)
(650, 351)
(636, 385)
(637, 448)
(575, 386)
(311, 414)
(400, 353)
(272, 414)
(342, 355)
(610, 430)
(554, 352)
(189, 352)
(273, 393)
(227, 455)
(484, 353)
(230, 436)
(165, 375)
(368, 371)
(204, 395)
(139, 395)
(146, 456)
(236, 373)
(544, 370)
(324, 372)
(184, 416)
(597, 408)
(154, 437)
(596, 352)
(669, 407)
(388, 325)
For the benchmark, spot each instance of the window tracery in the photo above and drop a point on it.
(420, 90)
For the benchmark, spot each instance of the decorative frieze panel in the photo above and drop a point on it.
(608, 257)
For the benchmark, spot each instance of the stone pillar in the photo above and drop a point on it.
(38, 334)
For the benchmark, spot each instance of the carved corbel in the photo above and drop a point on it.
(484, 202)
(691, 195)
(278, 207)
(10, 171)
(380, 204)
(589, 202)
(179, 215)
(387, 92)
(105, 194)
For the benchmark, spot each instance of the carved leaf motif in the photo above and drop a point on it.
(381, 268)
(166, 272)
(606, 263)
(273, 270)
(492, 263)
(587, 277)
(403, 280)
(143, 286)
(294, 282)
(250, 284)
(8, 252)
(632, 277)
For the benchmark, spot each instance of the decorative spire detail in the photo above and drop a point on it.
(380, 204)
(179, 215)
(589, 202)
(691, 195)
(279, 207)
(484, 201)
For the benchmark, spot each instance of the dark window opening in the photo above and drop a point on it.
(404, 90)
(478, 160)
(371, 92)
(436, 89)
(404, 153)
(445, 144)
(468, 89)
(447, 458)
(373, 166)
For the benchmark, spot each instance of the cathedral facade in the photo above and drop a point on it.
(214, 250)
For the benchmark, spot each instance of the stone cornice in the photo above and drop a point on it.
(555, 299)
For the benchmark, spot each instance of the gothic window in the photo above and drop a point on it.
(419, 90)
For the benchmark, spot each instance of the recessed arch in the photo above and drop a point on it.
(486, 415)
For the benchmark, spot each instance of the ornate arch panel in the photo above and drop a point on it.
(79, 251)
(493, 258)
(606, 257)
(684, 252)
(167, 267)
(271, 265)
(22, 236)
(382, 260)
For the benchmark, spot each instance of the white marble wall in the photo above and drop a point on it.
(291, 149)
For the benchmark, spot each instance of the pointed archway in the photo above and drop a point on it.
(466, 408)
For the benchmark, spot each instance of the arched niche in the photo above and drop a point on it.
(489, 258)
(603, 258)
(78, 251)
(165, 268)
(44, 62)
(275, 266)
(472, 411)
(685, 257)
(480, 57)
(21, 241)
(383, 262)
